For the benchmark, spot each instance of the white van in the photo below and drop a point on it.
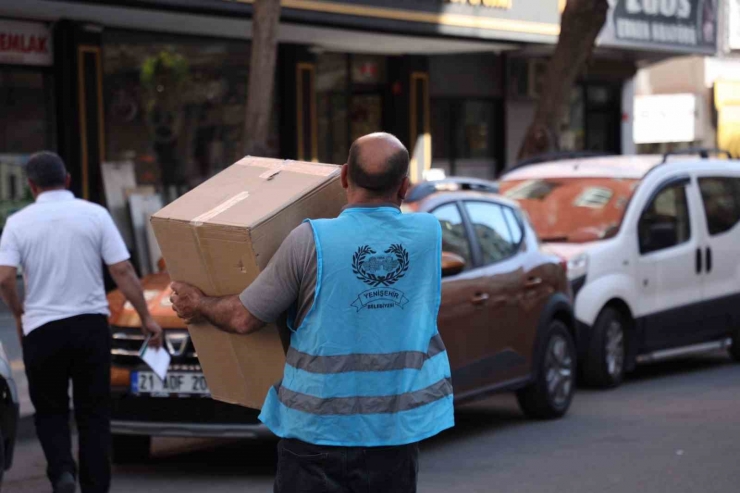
(653, 250)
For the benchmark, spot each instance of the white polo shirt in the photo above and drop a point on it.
(61, 243)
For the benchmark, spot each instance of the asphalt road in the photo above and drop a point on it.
(672, 427)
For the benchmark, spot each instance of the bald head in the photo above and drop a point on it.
(378, 163)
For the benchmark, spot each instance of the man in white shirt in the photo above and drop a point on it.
(61, 244)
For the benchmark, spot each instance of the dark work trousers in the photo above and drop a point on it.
(307, 468)
(76, 349)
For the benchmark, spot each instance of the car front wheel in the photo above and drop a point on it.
(2, 458)
(604, 365)
(734, 349)
(131, 449)
(551, 392)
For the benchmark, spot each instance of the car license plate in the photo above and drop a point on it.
(146, 382)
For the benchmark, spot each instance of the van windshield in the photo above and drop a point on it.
(573, 210)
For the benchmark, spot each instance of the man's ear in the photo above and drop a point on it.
(404, 189)
(345, 179)
(34, 188)
(68, 181)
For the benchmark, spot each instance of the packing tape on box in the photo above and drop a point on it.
(315, 169)
(222, 207)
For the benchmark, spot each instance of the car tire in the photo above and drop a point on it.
(2, 459)
(604, 363)
(734, 349)
(550, 394)
(131, 449)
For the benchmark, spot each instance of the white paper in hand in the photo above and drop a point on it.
(158, 359)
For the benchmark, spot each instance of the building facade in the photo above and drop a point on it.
(700, 108)
(162, 84)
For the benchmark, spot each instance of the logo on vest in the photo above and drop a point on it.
(380, 271)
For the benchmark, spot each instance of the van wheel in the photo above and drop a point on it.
(734, 350)
(131, 449)
(604, 364)
(2, 459)
(551, 393)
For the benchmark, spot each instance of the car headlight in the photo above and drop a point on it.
(578, 267)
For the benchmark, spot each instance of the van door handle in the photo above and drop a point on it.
(480, 298)
(698, 260)
(533, 282)
(709, 260)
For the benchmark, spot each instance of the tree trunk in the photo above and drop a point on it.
(580, 24)
(265, 21)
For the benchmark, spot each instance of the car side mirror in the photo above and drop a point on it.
(452, 264)
(659, 235)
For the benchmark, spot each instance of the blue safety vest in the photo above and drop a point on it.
(367, 366)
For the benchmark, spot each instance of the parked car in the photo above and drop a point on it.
(144, 406)
(505, 318)
(652, 250)
(8, 413)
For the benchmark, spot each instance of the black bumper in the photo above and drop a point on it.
(194, 416)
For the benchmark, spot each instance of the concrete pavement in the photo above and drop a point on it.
(672, 427)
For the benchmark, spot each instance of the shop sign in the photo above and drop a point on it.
(673, 25)
(513, 20)
(666, 118)
(727, 103)
(733, 25)
(25, 43)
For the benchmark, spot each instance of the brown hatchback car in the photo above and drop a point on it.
(506, 319)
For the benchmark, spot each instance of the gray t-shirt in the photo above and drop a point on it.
(289, 277)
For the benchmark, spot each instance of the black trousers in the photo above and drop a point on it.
(307, 468)
(76, 349)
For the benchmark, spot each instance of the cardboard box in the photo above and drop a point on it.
(220, 236)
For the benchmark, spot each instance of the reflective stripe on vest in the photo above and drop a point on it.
(386, 404)
(401, 360)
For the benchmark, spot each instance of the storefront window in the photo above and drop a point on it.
(366, 113)
(463, 137)
(592, 119)
(572, 135)
(350, 101)
(26, 126)
(331, 92)
(175, 106)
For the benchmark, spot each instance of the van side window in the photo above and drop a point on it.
(665, 222)
(721, 198)
(454, 237)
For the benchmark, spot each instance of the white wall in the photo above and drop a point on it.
(519, 115)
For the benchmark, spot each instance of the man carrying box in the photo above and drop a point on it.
(367, 375)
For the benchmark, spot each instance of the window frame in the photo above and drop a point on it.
(680, 180)
(474, 237)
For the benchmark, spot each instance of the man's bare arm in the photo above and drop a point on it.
(9, 293)
(226, 312)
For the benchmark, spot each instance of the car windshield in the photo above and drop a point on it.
(573, 210)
